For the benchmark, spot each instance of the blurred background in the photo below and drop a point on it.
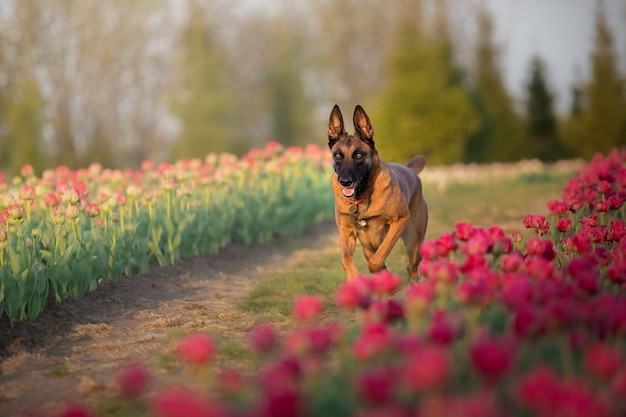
(121, 81)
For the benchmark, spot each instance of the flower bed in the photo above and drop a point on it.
(68, 230)
(521, 325)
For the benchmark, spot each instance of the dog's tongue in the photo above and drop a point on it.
(348, 191)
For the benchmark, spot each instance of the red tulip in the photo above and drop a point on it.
(76, 410)
(603, 361)
(196, 349)
(557, 207)
(446, 244)
(263, 338)
(492, 357)
(463, 230)
(133, 380)
(182, 402)
(308, 308)
(564, 224)
(385, 283)
(376, 386)
(427, 369)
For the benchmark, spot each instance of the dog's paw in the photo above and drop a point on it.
(376, 267)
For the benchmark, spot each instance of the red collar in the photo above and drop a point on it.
(365, 197)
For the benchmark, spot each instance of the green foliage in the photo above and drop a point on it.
(290, 123)
(21, 121)
(206, 105)
(423, 109)
(500, 134)
(542, 137)
(598, 119)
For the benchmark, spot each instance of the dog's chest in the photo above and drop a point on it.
(364, 217)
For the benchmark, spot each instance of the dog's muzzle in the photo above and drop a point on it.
(348, 187)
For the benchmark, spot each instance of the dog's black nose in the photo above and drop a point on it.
(345, 182)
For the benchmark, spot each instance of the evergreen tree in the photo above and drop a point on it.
(499, 136)
(21, 120)
(288, 105)
(599, 123)
(423, 109)
(541, 125)
(206, 106)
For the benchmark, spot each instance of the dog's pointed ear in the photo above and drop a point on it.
(335, 126)
(362, 126)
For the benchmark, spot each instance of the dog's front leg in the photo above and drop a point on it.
(347, 241)
(396, 228)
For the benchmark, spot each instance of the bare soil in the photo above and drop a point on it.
(73, 350)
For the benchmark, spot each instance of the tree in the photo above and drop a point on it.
(21, 117)
(499, 136)
(24, 128)
(206, 105)
(542, 138)
(288, 108)
(599, 123)
(423, 109)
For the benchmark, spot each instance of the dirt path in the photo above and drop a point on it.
(73, 350)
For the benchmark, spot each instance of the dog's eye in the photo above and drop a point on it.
(338, 156)
(358, 155)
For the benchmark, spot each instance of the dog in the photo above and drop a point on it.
(376, 202)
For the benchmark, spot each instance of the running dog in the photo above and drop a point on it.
(376, 202)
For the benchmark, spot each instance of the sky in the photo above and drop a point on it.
(561, 32)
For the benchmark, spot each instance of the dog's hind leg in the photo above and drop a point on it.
(414, 236)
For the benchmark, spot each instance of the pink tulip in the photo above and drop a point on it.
(374, 339)
(513, 262)
(15, 211)
(263, 338)
(427, 369)
(230, 381)
(307, 308)
(557, 207)
(93, 210)
(196, 349)
(478, 244)
(540, 247)
(182, 402)
(463, 230)
(385, 283)
(446, 244)
(440, 330)
(443, 270)
(76, 410)
(27, 192)
(376, 386)
(492, 357)
(429, 250)
(537, 389)
(285, 402)
(603, 361)
(564, 224)
(616, 230)
(354, 293)
(133, 380)
(538, 223)
(27, 170)
(51, 200)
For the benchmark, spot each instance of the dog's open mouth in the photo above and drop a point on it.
(349, 191)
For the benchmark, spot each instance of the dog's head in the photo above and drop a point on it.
(353, 155)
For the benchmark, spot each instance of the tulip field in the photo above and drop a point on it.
(521, 324)
(67, 231)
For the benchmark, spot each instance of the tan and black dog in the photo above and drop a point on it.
(375, 202)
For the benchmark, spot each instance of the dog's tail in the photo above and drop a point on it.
(417, 164)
